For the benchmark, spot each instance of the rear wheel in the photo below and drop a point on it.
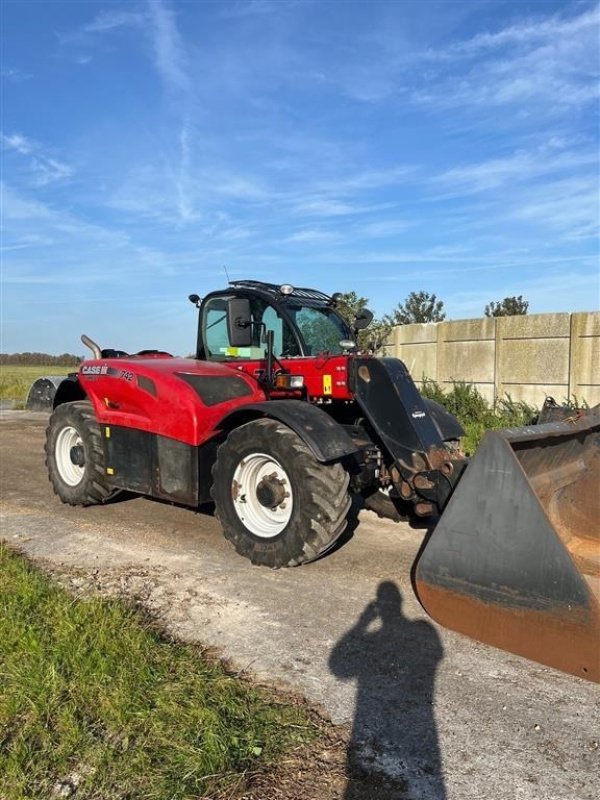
(277, 504)
(74, 455)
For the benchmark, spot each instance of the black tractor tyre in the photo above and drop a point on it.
(84, 483)
(320, 503)
(387, 507)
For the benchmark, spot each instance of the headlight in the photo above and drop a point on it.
(286, 381)
(286, 288)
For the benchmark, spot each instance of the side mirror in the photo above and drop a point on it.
(239, 322)
(363, 320)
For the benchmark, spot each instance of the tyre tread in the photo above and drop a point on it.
(93, 489)
(324, 516)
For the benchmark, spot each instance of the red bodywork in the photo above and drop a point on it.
(175, 410)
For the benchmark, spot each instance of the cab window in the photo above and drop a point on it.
(216, 340)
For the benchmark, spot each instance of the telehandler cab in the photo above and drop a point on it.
(279, 420)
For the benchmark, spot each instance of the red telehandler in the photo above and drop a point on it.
(279, 420)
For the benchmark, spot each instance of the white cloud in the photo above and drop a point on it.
(525, 33)
(168, 47)
(570, 207)
(16, 142)
(252, 8)
(112, 20)
(547, 65)
(43, 168)
(326, 207)
(184, 201)
(14, 74)
(548, 62)
(312, 235)
(385, 228)
(519, 167)
(367, 179)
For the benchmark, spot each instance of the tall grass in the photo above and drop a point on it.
(92, 698)
(15, 381)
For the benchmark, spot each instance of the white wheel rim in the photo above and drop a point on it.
(253, 472)
(67, 439)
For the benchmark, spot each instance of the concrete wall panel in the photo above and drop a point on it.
(584, 374)
(416, 345)
(526, 357)
(466, 352)
(532, 357)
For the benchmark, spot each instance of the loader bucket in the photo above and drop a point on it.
(514, 560)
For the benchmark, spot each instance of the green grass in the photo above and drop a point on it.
(15, 381)
(89, 692)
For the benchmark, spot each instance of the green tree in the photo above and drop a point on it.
(373, 338)
(418, 307)
(350, 305)
(509, 307)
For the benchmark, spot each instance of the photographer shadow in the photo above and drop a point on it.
(394, 751)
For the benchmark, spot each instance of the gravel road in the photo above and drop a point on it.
(445, 716)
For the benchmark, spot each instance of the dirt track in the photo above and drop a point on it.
(446, 716)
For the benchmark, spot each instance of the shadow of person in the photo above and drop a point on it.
(394, 751)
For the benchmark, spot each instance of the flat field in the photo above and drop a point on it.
(15, 380)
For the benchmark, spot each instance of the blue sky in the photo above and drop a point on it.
(383, 147)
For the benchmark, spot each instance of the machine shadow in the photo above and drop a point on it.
(394, 751)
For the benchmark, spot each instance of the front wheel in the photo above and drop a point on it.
(277, 504)
(74, 455)
(388, 507)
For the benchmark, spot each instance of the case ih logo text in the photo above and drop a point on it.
(94, 369)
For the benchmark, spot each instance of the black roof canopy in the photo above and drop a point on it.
(272, 290)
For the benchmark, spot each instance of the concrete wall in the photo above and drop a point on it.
(527, 357)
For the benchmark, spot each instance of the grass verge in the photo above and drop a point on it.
(95, 703)
(15, 381)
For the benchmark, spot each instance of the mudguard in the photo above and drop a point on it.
(42, 392)
(326, 438)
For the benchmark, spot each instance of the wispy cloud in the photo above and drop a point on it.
(519, 167)
(524, 34)
(551, 62)
(87, 35)
(570, 206)
(111, 20)
(312, 236)
(384, 229)
(169, 50)
(14, 74)
(184, 203)
(326, 207)
(368, 179)
(252, 8)
(170, 61)
(42, 167)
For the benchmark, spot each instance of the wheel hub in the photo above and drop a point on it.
(69, 453)
(262, 495)
(77, 455)
(271, 492)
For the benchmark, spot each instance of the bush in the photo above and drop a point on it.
(474, 412)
